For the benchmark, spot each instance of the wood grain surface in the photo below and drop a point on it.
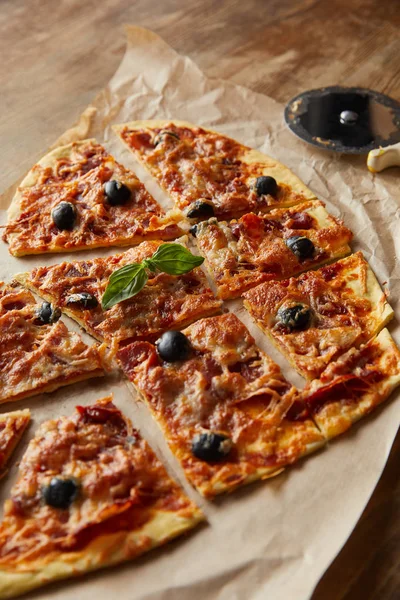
(55, 57)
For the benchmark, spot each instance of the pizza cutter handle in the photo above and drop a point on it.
(382, 158)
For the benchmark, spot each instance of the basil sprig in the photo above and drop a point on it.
(126, 282)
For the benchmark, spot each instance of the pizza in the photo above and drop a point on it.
(223, 404)
(243, 253)
(165, 302)
(209, 174)
(38, 353)
(79, 197)
(90, 493)
(12, 427)
(354, 385)
(321, 314)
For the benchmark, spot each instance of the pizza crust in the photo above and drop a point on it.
(102, 552)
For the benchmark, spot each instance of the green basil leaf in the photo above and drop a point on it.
(174, 259)
(123, 284)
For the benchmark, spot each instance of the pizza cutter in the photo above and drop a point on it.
(348, 120)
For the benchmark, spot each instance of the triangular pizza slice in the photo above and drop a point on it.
(354, 385)
(165, 302)
(12, 427)
(319, 315)
(209, 174)
(226, 410)
(90, 493)
(38, 353)
(78, 197)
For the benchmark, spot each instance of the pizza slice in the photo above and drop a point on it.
(314, 318)
(243, 253)
(12, 427)
(79, 197)
(166, 301)
(38, 353)
(354, 385)
(209, 174)
(90, 493)
(227, 412)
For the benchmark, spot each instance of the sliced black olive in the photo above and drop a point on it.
(83, 299)
(266, 185)
(295, 317)
(301, 246)
(200, 209)
(193, 230)
(64, 216)
(161, 136)
(60, 493)
(47, 314)
(172, 346)
(116, 192)
(211, 446)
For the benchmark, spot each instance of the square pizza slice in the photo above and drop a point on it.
(243, 253)
(317, 316)
(78, 197)
(166, 301)
(90, 493)
(223, 404)
(12, 427)
(354, 385)
(38, 353)
(209, 174)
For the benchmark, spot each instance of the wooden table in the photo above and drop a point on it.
(55, 56)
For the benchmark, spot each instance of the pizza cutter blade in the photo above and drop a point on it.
(347, 120)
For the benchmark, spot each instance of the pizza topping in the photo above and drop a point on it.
(301, 246)
(295, 317)
(193, 230)
(64, 216)
(201, 209)
(117, 193)
(60, 493)
(82, 299)
(173, 346)
(266, 185)
(47, 314)
(165, 135)
(210, 446)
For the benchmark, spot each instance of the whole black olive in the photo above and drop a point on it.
(60, 493)
(200, 209)
(173, 346)
(295, 317)
(193, 230)
(64, 216)
(265, 185)
(162, 135)
(83, 299)
(116, 192)
(47, 314)
(210, 446)
(301, 246)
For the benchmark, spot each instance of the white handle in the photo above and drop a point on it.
(382, 158)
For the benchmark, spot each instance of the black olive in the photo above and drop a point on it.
(301, 246)
(159, 138)
(60, 493)
(295, 317)
(116, 192)
(83, 299)
(193, 230)
(64, 216)
(266, 185)
(47, 314)
(172, 346)
(200, 209)
(211, 446)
